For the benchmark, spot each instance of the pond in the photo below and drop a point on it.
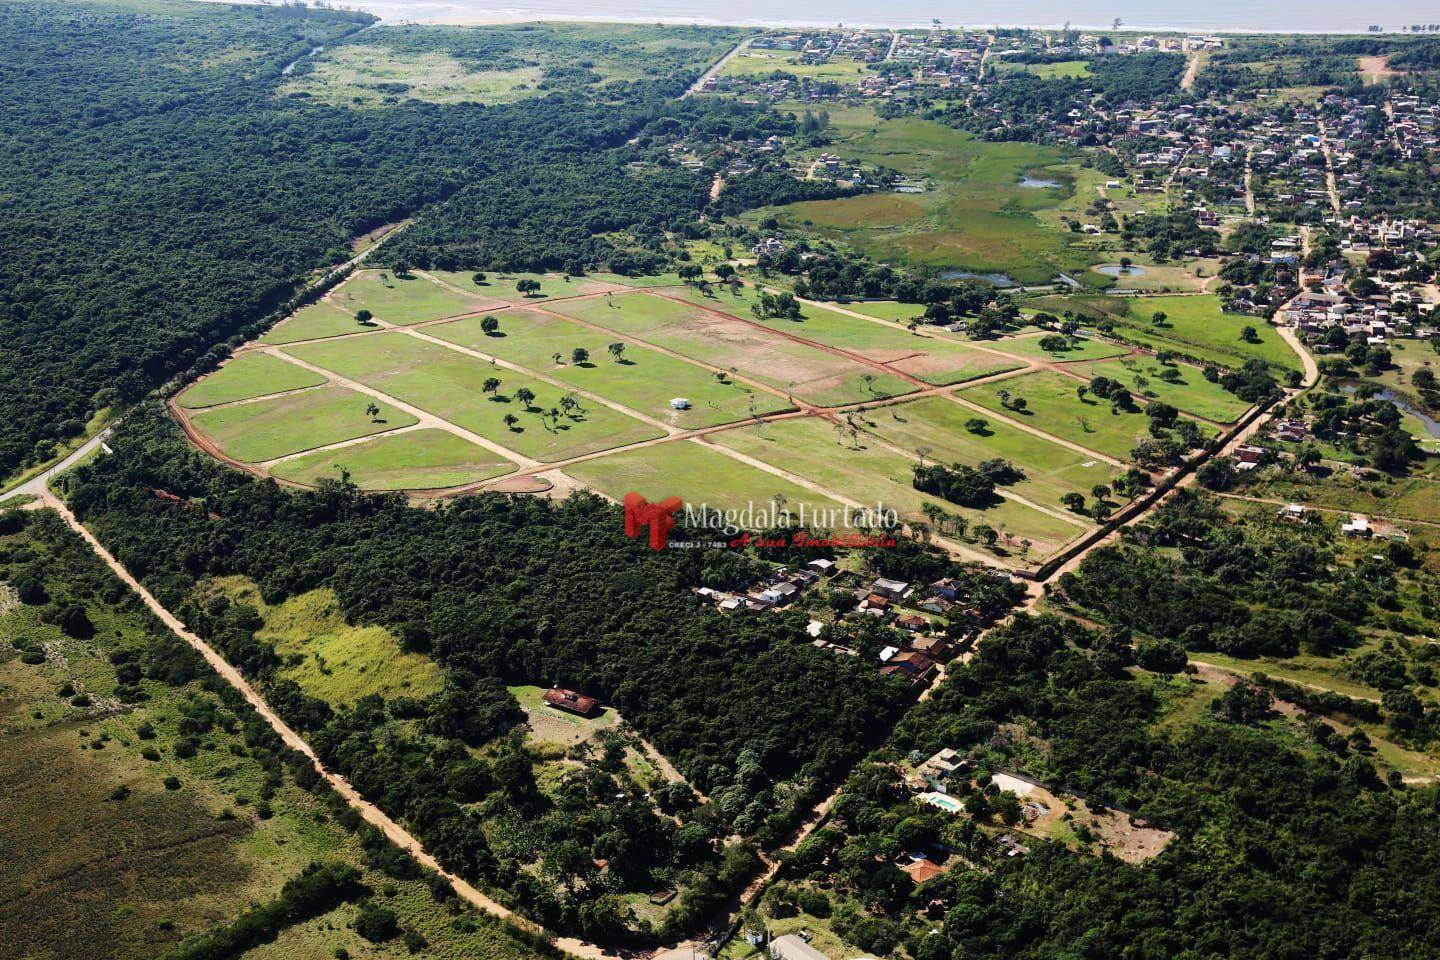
(1432, 426)
(1040, 183)
(999, 279)
(1115, 270)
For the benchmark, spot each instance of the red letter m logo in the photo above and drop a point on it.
(659, 517)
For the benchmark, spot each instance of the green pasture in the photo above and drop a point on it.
(502, 286)
(314, 322)
(244, 377)
(402, 300)
(1080, 348)
(1192, 393)
(762, 63)
(425, 459)
(938, 427)
(450, 384)
(266, 429)
(641, 379)
(731, 344)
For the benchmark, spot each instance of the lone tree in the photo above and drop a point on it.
(479, 279)
(490, 325)
(365, 318)
(373, 412)
(579, 355)
(977, 425)
(526, 396)
(491, 385)
(528, 287)
(511, 420)
(617, 350)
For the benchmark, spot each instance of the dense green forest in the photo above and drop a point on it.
(184, 198)
(518, 590)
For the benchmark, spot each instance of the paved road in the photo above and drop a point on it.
(715, 68)
(36, 486)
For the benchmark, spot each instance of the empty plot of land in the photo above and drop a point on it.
(451, 386)
(404, 300)
(246, 376)
(1078, 348)
(318, 320)
(871, 473)
(503, 286)
(932, 359)
(732, 344)
(1052, 405)
(938, 427)
(641, 379)
(426, 459)
(698, 474)
(266, 429)
(1191, 392)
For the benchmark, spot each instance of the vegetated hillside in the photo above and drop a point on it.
(526, 591)
(160, 197)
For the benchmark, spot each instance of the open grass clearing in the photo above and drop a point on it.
(1061, 69)
(554, 728)
(1079, 348)
(762, 63)
(932, 359)
(403, 300)
(872, 474)
(1052, 405)
(426, 459)
(698, 474)
(1191, 393)
(975, 215)
(731, 344)
(501, 286)
(938, 427)
(318, 320)
(278, 427)
(372, 75)
(641, 379)
(245, 377)
(450, 385)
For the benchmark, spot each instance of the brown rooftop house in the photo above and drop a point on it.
(571, 702)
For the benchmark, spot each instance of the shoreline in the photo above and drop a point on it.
(450, 14)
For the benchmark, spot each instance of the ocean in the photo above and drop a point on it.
(1250, 16)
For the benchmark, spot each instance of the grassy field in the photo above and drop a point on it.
(872, 473)
(402, 300)
(642, 379)
(368, 75)
(939, 425)
(974, 216)
(501, 286)
(731, 344)
(101, 855)
(551, 728)
(425, 459)
(695, 472)
(933, 359)
(1062, 69)
(451, 386)
(762, 63)
(1409, 498)
(1081, 348)
(325, 655)
(1053, 406)
(887, 309)
(1195, 327)
(318, 320)
(1192, 393)
(246, 376)
(266, 429)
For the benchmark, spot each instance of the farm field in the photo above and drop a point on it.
(732, 344)
(266, 429)
(1192, 393)
(245, 377)
(1053, 406)
(975, 215)
(424, 459)
(641, 379)
(450, 385)
(1081, 348)
(939, 424)
(403, 300)
(928, 357)
(871, 473)
(322, 319)
(697, 473)
(1195, 327)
